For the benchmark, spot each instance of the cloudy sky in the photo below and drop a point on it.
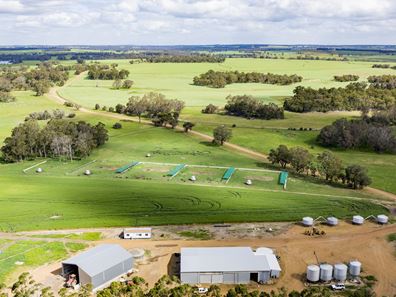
(197, 21)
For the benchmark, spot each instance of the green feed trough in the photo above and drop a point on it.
(229, 172)
(126, 167)
(283, 178)
(175, 170)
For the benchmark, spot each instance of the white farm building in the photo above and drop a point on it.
(227, 265)
(136, 233)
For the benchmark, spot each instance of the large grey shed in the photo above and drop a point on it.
(99, 265)
(227, 265)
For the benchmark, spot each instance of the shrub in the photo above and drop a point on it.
(117, 126)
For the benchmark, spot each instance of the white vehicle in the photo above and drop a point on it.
(202, 290)
(338, 287)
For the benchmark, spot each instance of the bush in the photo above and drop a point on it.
(117, 126)
(111, 109)
(210, 109)
(68, 104)
(71, 115)
(97, 106)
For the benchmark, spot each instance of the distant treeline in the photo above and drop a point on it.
(249, 107)
(357, 134)
(58, 138)
(106, 72)
(384, 66)
(39, 79)
(202, 58)
(219, 79)
(355, 96)
(346, 77)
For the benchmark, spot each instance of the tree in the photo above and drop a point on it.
(117, 84)
(188, 126)
(330, 165)
(222, 134)
(357, 176)
(25, 286)
(137, 106)
(117, 126)
(300, 158)
(6, 97)
(41, 87)
(127, 84)
(120, 108)
(97, 106)
(210, 109)
(280, 155)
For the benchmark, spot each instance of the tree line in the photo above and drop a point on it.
(106, 72)
(249, 107)
(356, 134)
(346, 77)
(38, 79)
(383, 81)
(46, 115)
(354, 96)
(193, 58)
(170, 286)
(325, 164)
(384, 66)
(57, 139)
(219, 79)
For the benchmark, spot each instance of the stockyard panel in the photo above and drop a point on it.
(126, 167)
(175, 170)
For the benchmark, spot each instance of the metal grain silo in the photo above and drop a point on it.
(340, 272)
(358, 220)
(354, 268)
(313, 272)
(332, 221)
(382, 219)
(307, 221)
(326, 272)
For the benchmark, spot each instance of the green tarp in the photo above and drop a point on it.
(126, 167)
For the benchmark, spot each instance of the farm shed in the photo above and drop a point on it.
(227, 265)
(136, 233)
(99, 265)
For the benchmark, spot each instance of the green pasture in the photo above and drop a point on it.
(89, 236)
(175, 80)
(23, 254)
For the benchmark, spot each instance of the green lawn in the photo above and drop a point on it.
(89, 236)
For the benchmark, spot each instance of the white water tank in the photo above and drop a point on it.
(264, 251)
(326, 272)
(340, 272)
(358, 220)
(332, 221)
(354, 268)
(87, 172)
(307, 221)
(193, 178)
(382, 219)
(148, 155)
(248, 182)
(313, 272)
(39, 170)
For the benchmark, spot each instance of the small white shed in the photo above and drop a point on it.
(137, 233)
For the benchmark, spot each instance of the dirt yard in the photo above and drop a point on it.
(342, 243)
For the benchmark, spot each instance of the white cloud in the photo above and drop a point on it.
(200, 21)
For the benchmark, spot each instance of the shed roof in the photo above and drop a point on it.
(99, 258)
(219, 259)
